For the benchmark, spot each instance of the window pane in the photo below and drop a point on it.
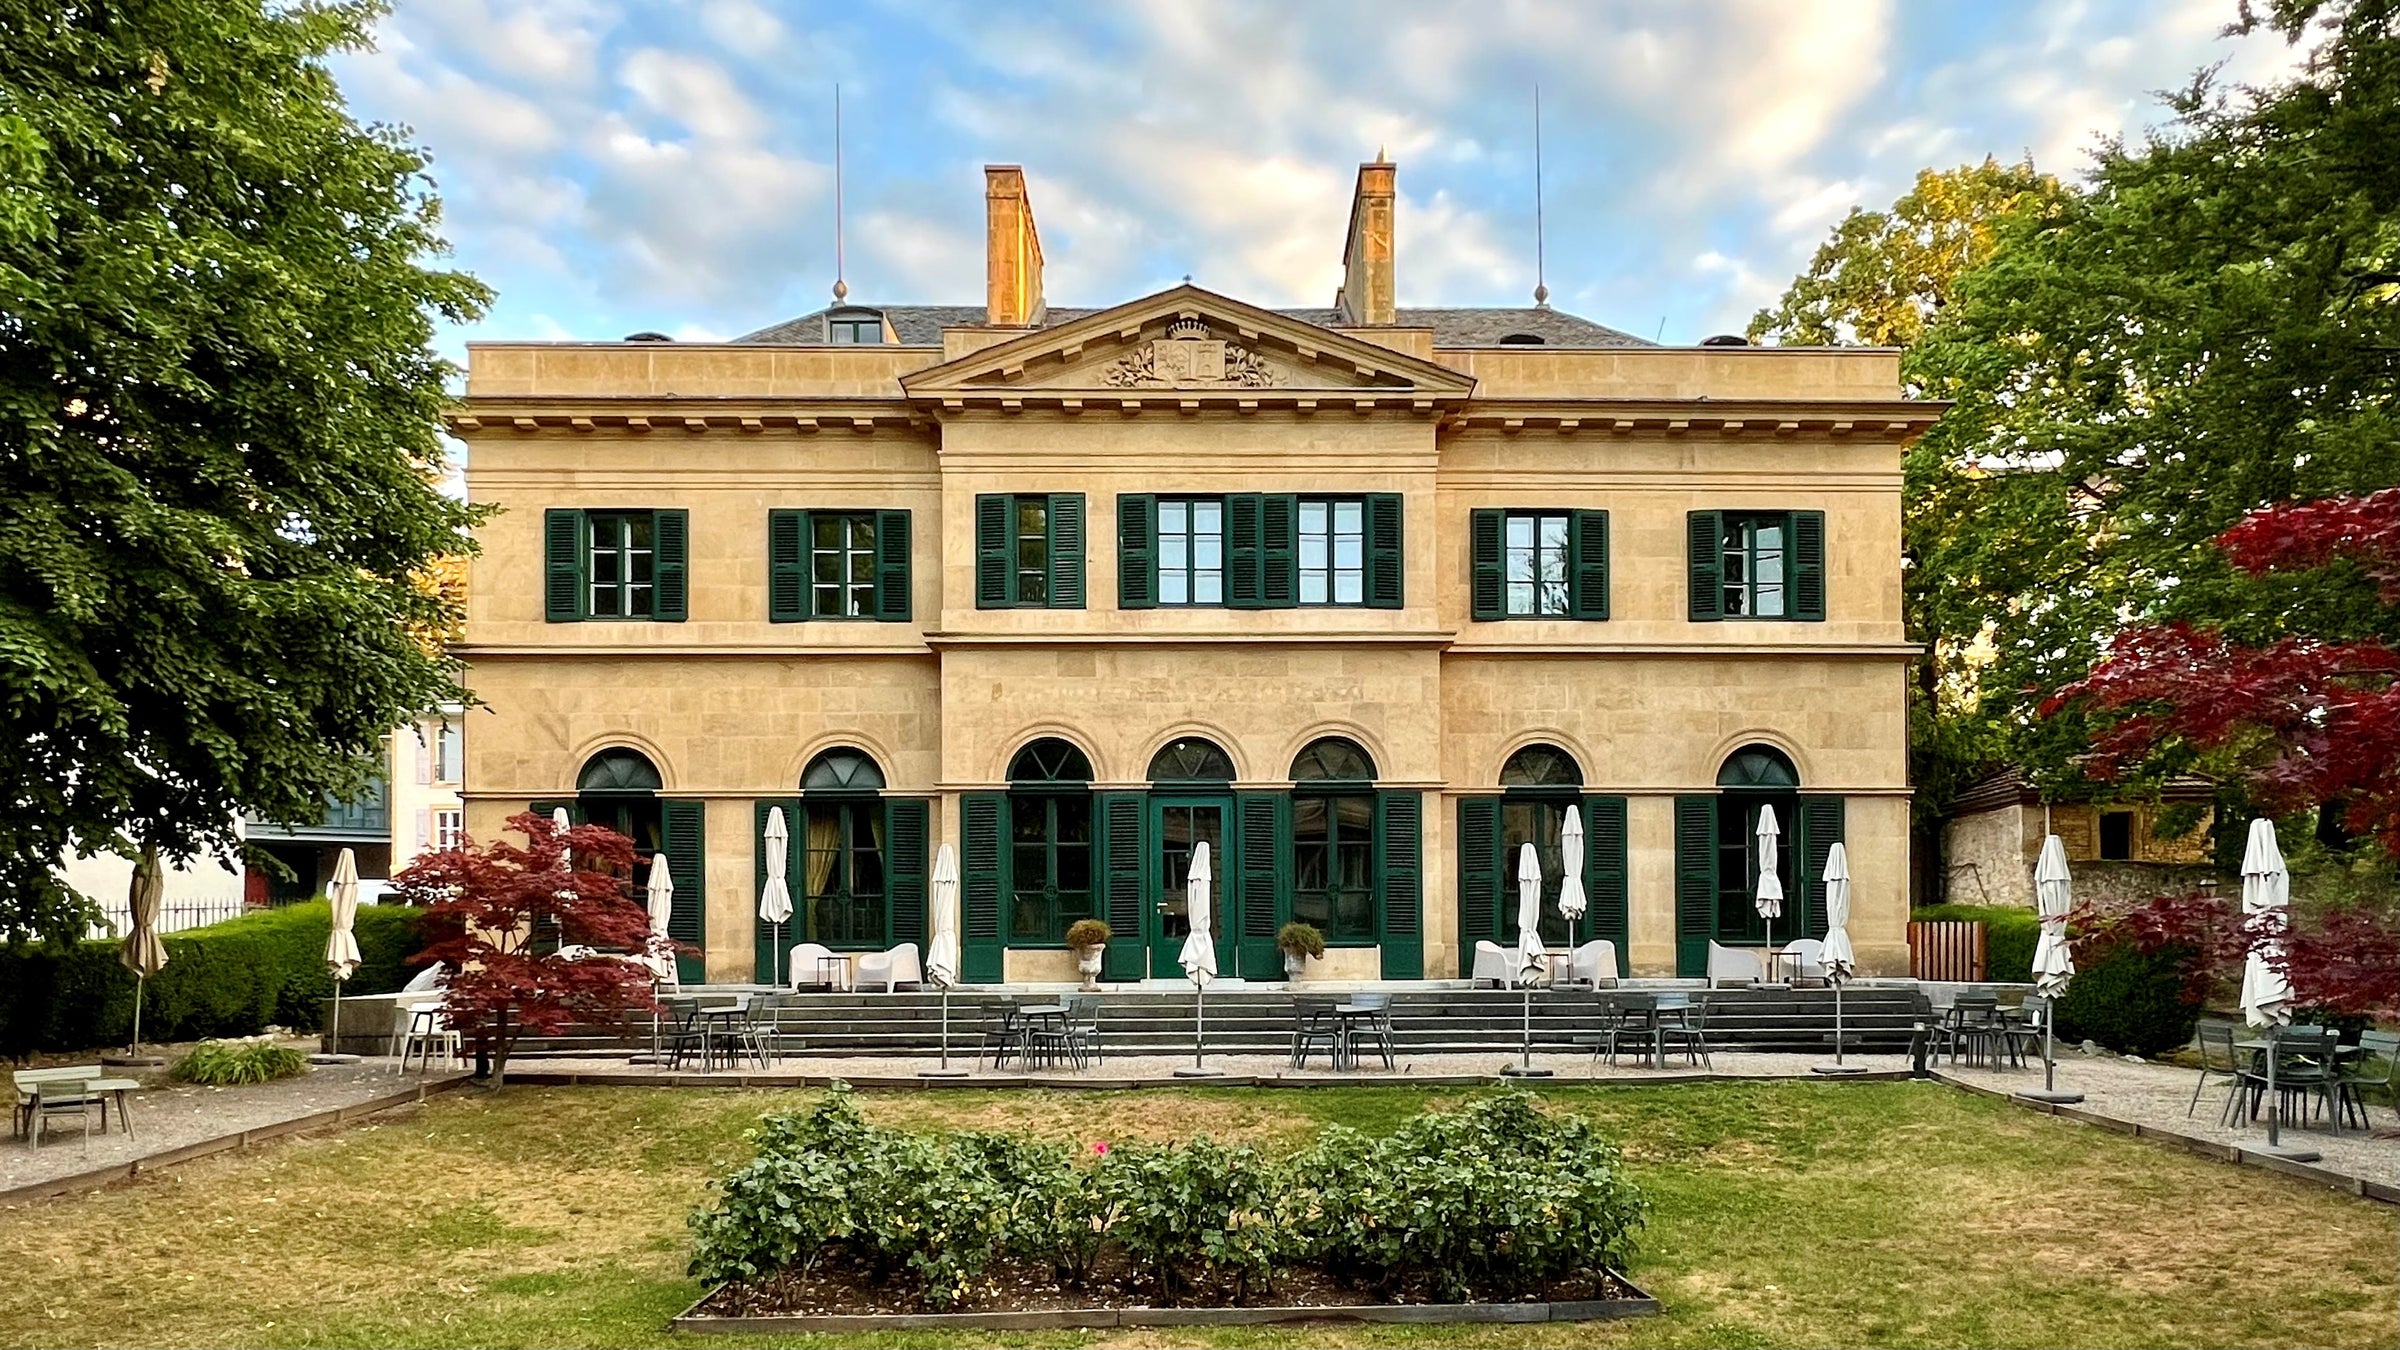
(862, 532)
(1520, 597)
(1349, 588)
(1348, 551)
(637, 531)
(1312, 586)
(1033, 517)
(1312, 517)
(1033, 588)
(1208, 588)
(1208, 518)
(605, 600)
(1313, 549)
(637, 602)
(1520, 532)
(1520, 563)
(1174, 587)
(1174, 551)
(1554, 532)
(1173, 518)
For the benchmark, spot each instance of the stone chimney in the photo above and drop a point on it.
(1367, 296)
(1013, 250)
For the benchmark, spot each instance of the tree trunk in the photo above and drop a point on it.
(502, 1041)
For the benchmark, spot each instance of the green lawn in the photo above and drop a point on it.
(1786, 1214)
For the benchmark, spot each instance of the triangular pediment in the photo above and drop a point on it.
(1188, 343)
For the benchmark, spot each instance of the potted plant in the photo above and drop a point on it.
(1086, 938)
(1298, 942)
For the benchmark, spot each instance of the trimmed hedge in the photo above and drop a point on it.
(2131, 1000)
(2009, 935)
(234, 978)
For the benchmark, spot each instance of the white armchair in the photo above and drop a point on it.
(891, 969)
(1734, 963)
(803, 968)
(1496, 964)
(1595, 964)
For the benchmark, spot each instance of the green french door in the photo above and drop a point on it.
(1177, 824)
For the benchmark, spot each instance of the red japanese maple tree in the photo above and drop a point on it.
(2343, 961)
(2303, 720)
(530, 939)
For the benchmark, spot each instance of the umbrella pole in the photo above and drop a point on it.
(945, 1028)
(775, 963)
(336, 1047)
(138, 981)
(1199, 1066)
(1837, 1022)
(2050, 1092)
(2274, 1103)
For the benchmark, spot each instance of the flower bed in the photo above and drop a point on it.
(1496, 1203)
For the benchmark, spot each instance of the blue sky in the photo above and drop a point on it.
(611, 167)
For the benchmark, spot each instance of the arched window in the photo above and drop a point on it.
(1050, 841)
(1541, 766)
(1333, 839)
(1758, 779)
(617, 770)
(1191, 759)
(842, 770)
(1542, 781)
(1522, 340)
(1758, 766)
(1333, 759)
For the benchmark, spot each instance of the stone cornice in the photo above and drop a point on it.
(582, 414)
(1889, 419)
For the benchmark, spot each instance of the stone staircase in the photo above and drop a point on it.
(1254, 1020)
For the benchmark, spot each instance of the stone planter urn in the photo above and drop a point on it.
(1087, 962)
(1293, 964)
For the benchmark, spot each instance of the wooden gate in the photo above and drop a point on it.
(1951, 949)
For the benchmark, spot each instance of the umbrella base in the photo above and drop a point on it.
(1521, 1071)
(648, 1058)
(1841, 1070)
(1191, 1071)
(2053, 1098)
(941, 1073)
(2284, 1151)
(133, 1061)
(328, 1058)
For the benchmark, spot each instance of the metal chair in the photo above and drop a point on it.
(754, 1034)
(1003, 1036)
(1379, 1027)
(1971, 1028)
(1313, 1024)
(429, 1029)
(2378, 1065)
(1083, 1028)
(2303, 1070)
(1689, 1030)
(2218, 1059)
(686, 1035)
(58, 1100)
(1614, 1016)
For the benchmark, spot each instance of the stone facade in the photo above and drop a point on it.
(1187, 393)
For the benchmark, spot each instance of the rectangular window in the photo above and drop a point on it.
(449, 752)
(841, 562)
(855, 332)
(1333, 856)
(2116, 836)
(449, 829)
(1029, 550)
(1333, 551)
(1033, 551)
(1537, 565)
(1756, 548)
(1191, 551)
(621, 572)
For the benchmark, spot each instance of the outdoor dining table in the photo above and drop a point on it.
(2258, 1047)
(1052, 1018)
(1648, 1015)
(720, 1023)
(1345, 1053)
(115, 1088)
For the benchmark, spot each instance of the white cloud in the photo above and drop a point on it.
(741, 27)
(691, 91)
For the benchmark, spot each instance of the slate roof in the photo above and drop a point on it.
(922, 325)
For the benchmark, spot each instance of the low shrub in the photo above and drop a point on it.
(1493, 1201)
(234, 978)
(2009, 935)
(225, 1063)
(2140, 1002)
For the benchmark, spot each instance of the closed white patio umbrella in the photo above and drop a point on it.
(2266, 994)
(1530, 956)
(341, 948)
(775, 898)
(941, 957)
(658, 899)
(1199, 956)
(1839, 960)
(142, 952)
(1769, 901)
(1571, 900)
(2053, 960)
(559, 821)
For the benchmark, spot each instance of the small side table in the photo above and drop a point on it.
(833, 971)
(116, 1088)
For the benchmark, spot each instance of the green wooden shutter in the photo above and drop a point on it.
(1479, 876)
(1137, 550)
(1265, 878)
(1066, 550)
(1278, 551)
(983, 818)
(995, 551)
(574, 809)
(684, 842)
(1705, 535)
(670, 533)
(1121, 817)
(1400, 883)
(1587, 543)
(1386, 563)
(787, 566)
(1808, 565)
(1245, 587)
(565, 540)
(907, 834)
(1604, 874)
(1486, 531)
(1695, 883)
(1821, 824)
(893, 546)
(795, 928)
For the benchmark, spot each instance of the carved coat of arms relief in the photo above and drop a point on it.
(1188, 358)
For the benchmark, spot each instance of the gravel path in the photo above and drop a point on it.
(169, 1116)
(1130, 1068)
(2157, 1095)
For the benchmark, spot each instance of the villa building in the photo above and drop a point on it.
(1365, 597)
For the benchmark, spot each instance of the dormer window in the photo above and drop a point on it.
(854, 327)
(1522, 340)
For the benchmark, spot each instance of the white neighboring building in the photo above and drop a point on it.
(204, 892)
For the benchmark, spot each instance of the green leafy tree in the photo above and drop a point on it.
(2211, 327)
(1884, 276)
(219, 455)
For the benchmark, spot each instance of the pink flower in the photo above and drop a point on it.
(1100, 1148)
